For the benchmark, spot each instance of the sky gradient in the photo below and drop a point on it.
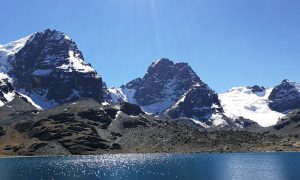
(227, 42)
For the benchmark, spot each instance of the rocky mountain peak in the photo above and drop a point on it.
(52, 48)
(166, 69)
(285, 81)
(54, 34)
(51, 70)
(174, 90)
(163, 84)
(163, 62)
(285, 96)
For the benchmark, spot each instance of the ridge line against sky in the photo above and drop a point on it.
(228, 44)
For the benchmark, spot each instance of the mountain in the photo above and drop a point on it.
(162, 85)
(250, 102)
(285, 97)
(50, 69)
(175, 91)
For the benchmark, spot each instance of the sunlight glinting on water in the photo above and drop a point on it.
(154, 166)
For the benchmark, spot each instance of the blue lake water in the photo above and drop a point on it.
(155, 166)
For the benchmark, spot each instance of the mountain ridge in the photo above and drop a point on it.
(54, 103)
(48, 68)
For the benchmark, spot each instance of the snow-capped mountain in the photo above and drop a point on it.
(285, 97)
(49, 68)
(174, 90)
(250, 103)
(160, 88)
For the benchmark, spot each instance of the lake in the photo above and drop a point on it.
(251, 166)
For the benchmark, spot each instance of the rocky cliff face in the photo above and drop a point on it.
(285, 97)
(50, 69)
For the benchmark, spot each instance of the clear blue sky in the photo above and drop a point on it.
(227, 42)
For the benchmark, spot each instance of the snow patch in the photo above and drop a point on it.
(122, 94)
(116, 95)
(40, 99)
(218, 120)
(159, 107)
(155, 63)
(241, 101)
(31, 101)
(76, 63)
(200, 123)
(5, 77)
(9, 96)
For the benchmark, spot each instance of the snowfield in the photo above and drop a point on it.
(241, 101)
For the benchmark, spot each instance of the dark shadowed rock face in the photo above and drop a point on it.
(51, 70)
(257, 89)
(199, 103)
(285, 96)
(2, 132)
(248, 124)
(289, 124)
(131, 109)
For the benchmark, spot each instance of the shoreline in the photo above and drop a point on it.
(154, 153)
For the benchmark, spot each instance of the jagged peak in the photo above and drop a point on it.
(48, 42)
(165, 66)
(15, 46)
(55, 34)
(289, 84)
(162, 62)
(167, 62)
(285, 81)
